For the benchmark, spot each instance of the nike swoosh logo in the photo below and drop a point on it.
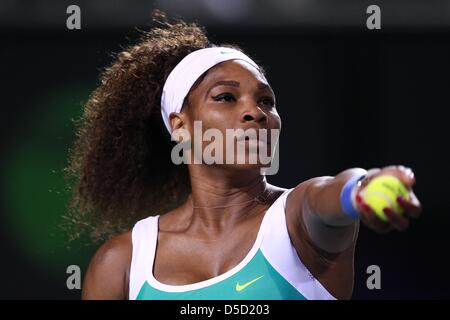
(245, 285)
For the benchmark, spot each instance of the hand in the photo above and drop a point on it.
(412, 207)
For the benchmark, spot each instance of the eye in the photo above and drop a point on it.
(267, 101)
(224, 97)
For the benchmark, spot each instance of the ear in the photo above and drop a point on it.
(177, 121)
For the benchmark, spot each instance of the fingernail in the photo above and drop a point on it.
(358, 198)
(388, 211)
(366, 207)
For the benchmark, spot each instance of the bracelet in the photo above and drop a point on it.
(347, 196)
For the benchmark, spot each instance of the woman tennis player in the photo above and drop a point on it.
(207, 230)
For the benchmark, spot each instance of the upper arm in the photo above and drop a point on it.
(324, 231)
(108, 272)
(333, 268)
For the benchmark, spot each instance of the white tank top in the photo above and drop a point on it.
(271, 270)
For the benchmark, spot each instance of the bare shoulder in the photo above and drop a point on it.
(294, 201)
(107, 276)
(299, 190)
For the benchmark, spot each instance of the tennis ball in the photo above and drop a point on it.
(382, 192)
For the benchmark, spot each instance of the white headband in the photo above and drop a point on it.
(188, 70)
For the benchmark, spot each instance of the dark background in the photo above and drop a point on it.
(347, 96)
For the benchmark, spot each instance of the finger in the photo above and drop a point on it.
(370, 218)
(411, 206)
(404, 174)
(398, 222)
(408, 176)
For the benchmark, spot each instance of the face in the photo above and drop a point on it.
(232, 95)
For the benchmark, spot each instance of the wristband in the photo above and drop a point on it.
(347, 203)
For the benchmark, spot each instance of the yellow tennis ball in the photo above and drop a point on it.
(382, 192)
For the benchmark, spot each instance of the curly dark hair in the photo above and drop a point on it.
(119, 166)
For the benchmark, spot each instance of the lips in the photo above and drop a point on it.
(258, 139)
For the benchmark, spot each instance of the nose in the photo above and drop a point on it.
(254, 113)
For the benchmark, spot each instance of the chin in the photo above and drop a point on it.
(245, 167)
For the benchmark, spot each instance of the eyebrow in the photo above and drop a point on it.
(230, 83)
(264, 86)
(236, 84)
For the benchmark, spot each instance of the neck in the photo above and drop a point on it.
(220, 198)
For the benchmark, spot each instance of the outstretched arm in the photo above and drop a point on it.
(333, 230)
(324, 235)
